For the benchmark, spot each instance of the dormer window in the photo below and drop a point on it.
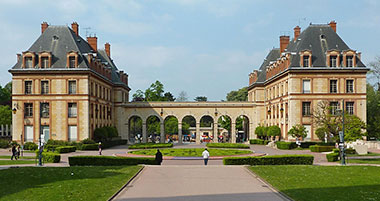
(306, 60)
(333, 61)
(72, 62)
(333, 58)
(28, 62)
(44, 62)
(350, 61)
(44, 59)
(72, 59)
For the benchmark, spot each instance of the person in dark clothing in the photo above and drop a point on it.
(14, 152)
(158, 157)
(100, 148)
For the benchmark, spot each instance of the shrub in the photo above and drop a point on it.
(90, 147)
(108, 161)
(335, 150)
(256, 141)
(14, 143)
(30, 146)
(58, 142)
(286, 145)
(50, 147)
(270, 160)
(4, 143)
(317, 148)
(88, 141)
(65, 149)
(266, 142)
(49, 157)
(150, 145)
(331, 157)
(310, 143)
(108, 144)
(274, 131)
(350, 151)
(227, 145)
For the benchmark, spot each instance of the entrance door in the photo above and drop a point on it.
(29, 134)
(45, 134)
(72, 133)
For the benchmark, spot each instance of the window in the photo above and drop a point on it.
(72, 62)
(350, 108)
(44, 87)
(72, 110)
(72, 87)
(333, 108)
(44, 110)
(28, 87)
(306, 60)
(44, 62)
(28, 109)
(28, 62)
(333, 86)
(92, 89)
(349, 61)
(350, 86)
(306, 86)
(333, 61)
(306, 109)
(92, 110)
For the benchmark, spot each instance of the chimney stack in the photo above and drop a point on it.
(107, 47)
(75, 28)
(297, 32)
(44, 26)
(333, 25)
(284, 42)
(93, 41)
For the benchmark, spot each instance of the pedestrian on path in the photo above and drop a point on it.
(100, 148)
(18, 151)
(158, 157)
(14, 152)
(205, 155)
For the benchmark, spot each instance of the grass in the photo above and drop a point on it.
(57, 183)
(191, 152)
(304, 183)
(16, 162)
(21, 157)
(365, 161)
(369, 154)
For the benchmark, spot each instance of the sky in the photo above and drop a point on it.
(203, 47)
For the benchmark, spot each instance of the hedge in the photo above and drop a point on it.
(108, 144)
(286, 145)
(4, 143)
(108, 161)
(227, 145)
(65, 149)
(331, 157)
(30, 146)
(270, 160)
(150, 145)
(310, 143)
(317, 148)
(49, 157)
(89, 147)
(258, 141)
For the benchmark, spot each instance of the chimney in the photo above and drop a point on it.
(93, 41)
(297, 32)
(284, 41)
(333, 25)
(74, 27)
(44, 26)
(107, 47)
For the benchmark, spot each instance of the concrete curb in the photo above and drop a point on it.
(126, 184)
(277, 192)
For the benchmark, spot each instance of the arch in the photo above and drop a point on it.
(171, 128)
(208, 130)
(153, 128)
(189, 124)
(242, 128)
(224, 128)
(135, 127)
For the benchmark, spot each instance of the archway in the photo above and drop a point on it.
(206, 129)
(242, 129)
(153, 128)
(135, 129)
(224, 129)
(171, 129)
(189, 129)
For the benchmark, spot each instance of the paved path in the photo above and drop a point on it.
(197, 182)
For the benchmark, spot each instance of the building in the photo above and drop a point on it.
(315, 65)
(64, 86)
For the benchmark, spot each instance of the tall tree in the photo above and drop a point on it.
(375, 70)
(200, 98)
(155, 92)
(5, 115)
(138, 96)
(5, 94)
(239, 95)
(182, 97)
(168, 97)
(373, 115)
(171, 125)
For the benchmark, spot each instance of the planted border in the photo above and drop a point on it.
(270, 160)
(227, 145)
(150, 145)
(109, 161)
(317, 148)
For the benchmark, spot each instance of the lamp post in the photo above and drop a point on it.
(341, 137)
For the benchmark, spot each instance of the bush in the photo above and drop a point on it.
(4, 143)
(227, 145)
(270, 160)
(309, 143)
(256, 141)
(30, 146)
(150, 145)
(88, 141)
(90, 147)
(65, 149)
(108, 161)
(286, 145)
(266, 142)
(274, 131)
(108, 144)
(331, 157)
(350, 151)
(50, 147)
(49, 157)
(335, 150)
(317, 148)
(58, 142)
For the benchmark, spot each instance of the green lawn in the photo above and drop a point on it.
(191, 152)
(57, 183)
(16, 162)
(21, 157)
(323, 182)
(365, 161)
(369, 154)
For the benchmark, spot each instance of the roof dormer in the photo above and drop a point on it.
(72, 59)
(28, 59)
(333, 58)
(306, 58)
(349, 58)
(44, 59)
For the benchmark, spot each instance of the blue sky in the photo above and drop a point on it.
(205, 48)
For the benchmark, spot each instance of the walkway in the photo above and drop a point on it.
(206, 183)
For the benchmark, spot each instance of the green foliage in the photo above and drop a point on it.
(108, 161)
(5, 115)
(354, 128)
(4, 143)
(239, 95)
(317, 148)
(270, 160)
(168, 97)
(321, 132)
(274, 131)
(138, 96)
(200, 98)
(309, 143)
(225, 122)
(50, 157)
(153, 125)
(206, 121)
(5, 94)
(227, 145)
(89, 147)
(171, 125)
(108, 144)
(65, 149)
(88, 141)
(105, 133)
(286, 145)
(58, 142)
(191, 152)
(298, 131)
(350, 151)
(135, 125)
(261, 131)
(30, 146)
(373, 114)
(332, 157)
(155, 92)
(256, 141)
(150, 145)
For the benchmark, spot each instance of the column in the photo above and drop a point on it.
(162, 133)
(215, 133)
(180, 133)
(144, 140)
(198, 133)
(251, 131)
(126, 135)
(233, 132)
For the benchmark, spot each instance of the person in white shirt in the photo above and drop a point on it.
(205, 155)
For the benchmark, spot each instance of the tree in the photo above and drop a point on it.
(168, 97)
(354, 128)
(239, 95)
(225, 122)
(182, 97)
(138, 96)
(274, 131)
(373, 115)
(298, 131)
(200, 98)
(260, 131)
(5, 94)
(375, 70)
(171, 125)
(5, 115)
(155, 92)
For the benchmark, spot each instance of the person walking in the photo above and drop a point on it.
(158, 157)
(205, 155)
(18, 150)
(14, 152)
(100, 148)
